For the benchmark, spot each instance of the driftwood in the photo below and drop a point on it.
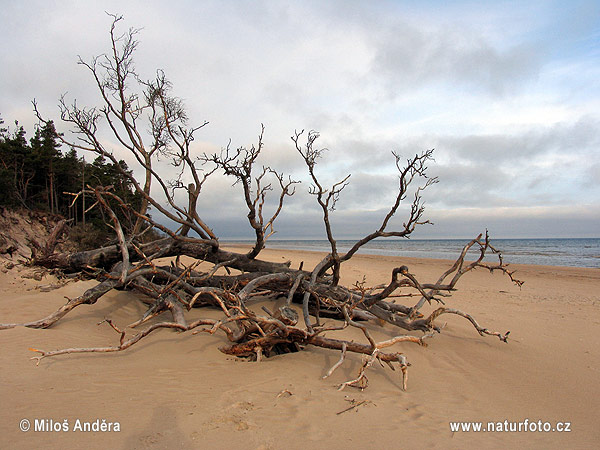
(175, 289)
(235, 279)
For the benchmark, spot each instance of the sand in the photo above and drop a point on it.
(176, 390)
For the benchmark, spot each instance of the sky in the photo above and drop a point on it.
(506, 92)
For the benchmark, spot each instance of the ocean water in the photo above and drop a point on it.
(576, 252)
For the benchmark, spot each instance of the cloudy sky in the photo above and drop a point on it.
(507, 92)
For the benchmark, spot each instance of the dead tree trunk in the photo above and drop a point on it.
(235, 279)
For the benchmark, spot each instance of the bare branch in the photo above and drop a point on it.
(149, 122)
(240, 165)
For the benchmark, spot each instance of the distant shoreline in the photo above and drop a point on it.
(408, 260)
(554, 252)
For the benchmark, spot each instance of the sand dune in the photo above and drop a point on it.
(178, 391)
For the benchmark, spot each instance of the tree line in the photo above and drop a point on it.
(37, 174)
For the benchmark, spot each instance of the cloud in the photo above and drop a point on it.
(507, 93)
(592, 178)
(407, 57)
(539, 222)
(574, 138)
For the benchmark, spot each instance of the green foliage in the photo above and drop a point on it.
(16, 167)
(88, 236)
(37, 175)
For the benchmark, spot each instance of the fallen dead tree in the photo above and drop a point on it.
(236, 279)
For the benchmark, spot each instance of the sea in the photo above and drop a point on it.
(574, 252)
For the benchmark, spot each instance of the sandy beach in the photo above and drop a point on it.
(176, 390)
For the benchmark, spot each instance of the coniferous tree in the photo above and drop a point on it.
(37, 175)
(50, 154)
(16, 170)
